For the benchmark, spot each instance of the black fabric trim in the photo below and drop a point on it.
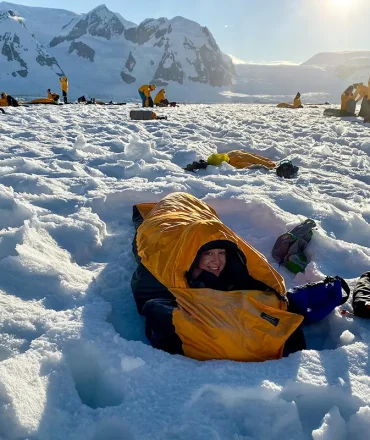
(137, 218)
(159, 328)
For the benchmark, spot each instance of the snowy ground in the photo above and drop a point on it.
(74, 362)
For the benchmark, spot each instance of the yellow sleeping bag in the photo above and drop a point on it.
(40, 101)
(240, 159)
(285, 105)
(243, 325)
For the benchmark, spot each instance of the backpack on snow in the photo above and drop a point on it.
(315, 301)
(201, 165)
(286, 169)
(289, 247)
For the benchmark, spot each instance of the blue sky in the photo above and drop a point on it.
(256, 30)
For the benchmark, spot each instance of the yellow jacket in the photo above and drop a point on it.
(344, 99)
(240, 159)
(246, 325)
(159, 97)
(64, 83)
(361, 91)
(145, 89)
(4, 102)
(297, 102)
(53, 96)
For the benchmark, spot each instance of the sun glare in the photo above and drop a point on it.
(342, 3)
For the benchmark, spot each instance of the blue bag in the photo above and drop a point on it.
(315, 301)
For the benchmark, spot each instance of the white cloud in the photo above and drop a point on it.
(236, 60)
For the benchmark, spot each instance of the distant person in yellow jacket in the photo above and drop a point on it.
(53, 96)
(64, 85)
(161, 101)
(7, 100)
(144, 92)
(160, 98)
(346, 96)
(4, 100)
(363, 92)
(296, 103)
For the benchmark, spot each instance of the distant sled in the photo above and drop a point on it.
(144, 115)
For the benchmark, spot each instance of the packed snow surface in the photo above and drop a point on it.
(74, 361)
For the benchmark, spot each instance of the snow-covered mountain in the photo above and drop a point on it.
(104, 54)
(164, 52)
(177, 50)
(93, 48)
(351, 66)
(280, 82)
(25, 66)
(43, 23)
(321, 78)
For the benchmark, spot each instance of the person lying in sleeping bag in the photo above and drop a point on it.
(205, 292)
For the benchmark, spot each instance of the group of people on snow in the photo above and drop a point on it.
(8, 101)
(160, 100)
(353, 94)
(64, 86)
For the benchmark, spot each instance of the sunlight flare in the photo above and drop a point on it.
(342, 3)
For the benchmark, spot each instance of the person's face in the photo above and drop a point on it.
(213, 261)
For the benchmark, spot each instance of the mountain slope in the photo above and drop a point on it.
(118, 60)
(44, 23)
(285, 79)
(24, 64)
(352, 66)
(92, 48)
(177, 50)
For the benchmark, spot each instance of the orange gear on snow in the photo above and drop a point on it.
(240, 159)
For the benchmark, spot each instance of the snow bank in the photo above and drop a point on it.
(74, 360)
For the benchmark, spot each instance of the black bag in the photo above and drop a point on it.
(361, 296)
(12, 102)
(286, 169)
(201, 165)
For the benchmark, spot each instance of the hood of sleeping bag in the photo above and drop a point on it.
(244, 325)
